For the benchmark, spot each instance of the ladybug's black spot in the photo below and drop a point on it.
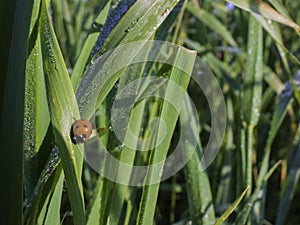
(78, 139)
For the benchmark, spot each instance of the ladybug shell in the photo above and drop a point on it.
(82, 130)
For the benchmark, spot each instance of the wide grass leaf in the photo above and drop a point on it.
(185, 59)
(63, 111)
(253, 78)
(139, 23)
(198, 187)
(37, 119)
(251, 95)
(15, 26)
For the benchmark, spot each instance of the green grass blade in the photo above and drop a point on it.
(257, 195)
(37, 119)
(63, 111)
(94, 215)
(224, 193)
(283, 101)
(282, 104)
(63, 28)
(15, 26)
(43, 210)
(252, 91)
(139, 23)
(233, 206)
(87, 48)
(253, 75)
(272, 80)
(220, 69)
(174, 19)
(168, 114)
(198, 187)
(263, 9)
(53, 213)
(101, 195)
(278, 5)
(127, 155)
(44, 186)
(212, 22)
(290, 186)
(34, 15)
(274, 31)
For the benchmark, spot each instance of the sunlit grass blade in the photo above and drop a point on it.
(272, 80)
(41, 207)
(251, 95)
(53, 212)
(63, 111)
(168, 114)
(263, 9)
(127, 155)
(113, 201)
(63, 28)
(139, 23)
(201, 206)
(96, 204)
(94, 215)
(34, 15)
(273, 31)
(163, 33)
(224, 193)
(233, 206)
(278, 5)
(252, 87)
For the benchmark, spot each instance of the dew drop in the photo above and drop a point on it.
(166, 12)
(161, 172)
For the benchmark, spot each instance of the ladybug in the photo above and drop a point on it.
(82, 130)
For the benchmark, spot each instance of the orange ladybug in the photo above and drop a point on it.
(82, 130)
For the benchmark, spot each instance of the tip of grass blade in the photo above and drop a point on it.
(233, 206)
